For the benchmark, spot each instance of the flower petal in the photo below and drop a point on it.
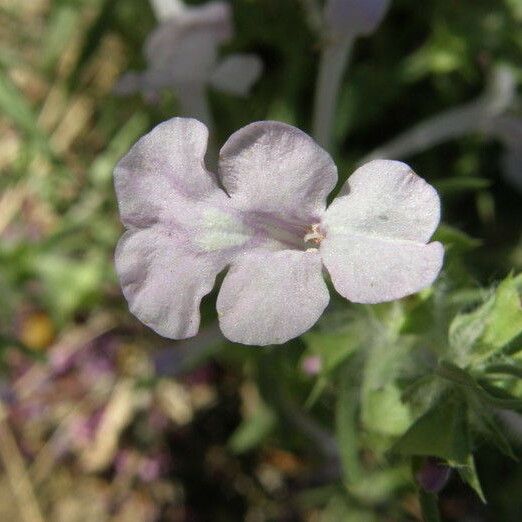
(237, 73)
(163, 168)
(271, 297)
(355, 17)
(183, 50)
(376, 230)
(372, 270)
(128, 84)
(178, 57)
(275, 168)
(163, 281)
(385, 199)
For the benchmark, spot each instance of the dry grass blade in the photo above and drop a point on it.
(17, 474)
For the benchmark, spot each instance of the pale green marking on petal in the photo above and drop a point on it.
(220, 230)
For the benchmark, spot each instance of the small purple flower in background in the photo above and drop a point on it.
(182, 55)
(433, 475)
(312, 365)
(264, 218)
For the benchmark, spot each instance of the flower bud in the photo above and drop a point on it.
(312, 365)
(433, 475)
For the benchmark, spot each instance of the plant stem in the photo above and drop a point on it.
(431, 132)
(479, 115)
(334, 60)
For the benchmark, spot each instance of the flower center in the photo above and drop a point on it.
(313, 237)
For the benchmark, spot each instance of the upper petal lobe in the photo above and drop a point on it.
(237, 73)
(385, 199)
(275, 168)
(164, 167)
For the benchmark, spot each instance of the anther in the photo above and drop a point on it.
(314, 235)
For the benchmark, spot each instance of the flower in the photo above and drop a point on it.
(265, 219)
(343, 21)
(311, 365)
(181, 54)
(354, 17)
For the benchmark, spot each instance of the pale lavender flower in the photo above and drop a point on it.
(182, 55)
(264, 217)
(354, 17)
(343, 22)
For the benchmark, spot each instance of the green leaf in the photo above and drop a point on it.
(511, 369)
(466, 330)
(441, 432)
(15, 106)
(486, 394)
(488, 425)
(487, 330)
(102, 167)
(429, 506)
(317, 390)
(384, 412)
(338, 509)
(70, 284)
(335, 347)
(253, 430)
(469, 475)
(61, 26)
(461, 184)
(382, 408)
(380, 486)
(456, 239)
(505, 320)
(346, 427)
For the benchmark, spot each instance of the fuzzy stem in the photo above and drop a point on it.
(431, 132)
(334, 60)
(475, 116)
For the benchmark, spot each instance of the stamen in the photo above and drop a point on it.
(314, 235)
